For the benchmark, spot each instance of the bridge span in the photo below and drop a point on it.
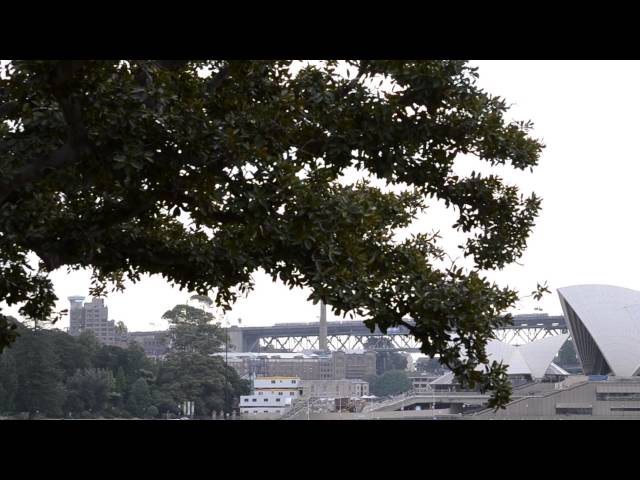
(348, 335)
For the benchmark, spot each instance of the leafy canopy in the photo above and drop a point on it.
(190, 372)
(192, 329)
(153, 167)
(391, 382)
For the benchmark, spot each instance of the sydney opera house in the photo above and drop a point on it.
(530, 362)
(604, 323)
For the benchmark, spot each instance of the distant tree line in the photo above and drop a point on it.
(567, 356)
(391, 382)
(430, 365)
(386, 359)
(50, 373)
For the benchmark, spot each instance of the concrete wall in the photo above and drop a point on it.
(405, 415)
(235, 339)
(580, 394)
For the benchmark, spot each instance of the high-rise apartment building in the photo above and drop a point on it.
(76, 315)
(93, 316)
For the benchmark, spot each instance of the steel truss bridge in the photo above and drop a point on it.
(298, 337)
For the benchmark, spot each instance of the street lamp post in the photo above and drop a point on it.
(226, 364)
(226, 370)
(433, 401)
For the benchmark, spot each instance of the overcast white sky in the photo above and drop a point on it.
(586, 112)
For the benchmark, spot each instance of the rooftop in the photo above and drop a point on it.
(277, 377)
(240, 355)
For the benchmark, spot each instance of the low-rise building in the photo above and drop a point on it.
(272, 396)
(357, 364)
(306, 366)
(345, 388)
(420, 381)
(154, 343)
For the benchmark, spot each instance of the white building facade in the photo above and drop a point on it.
(272, 396)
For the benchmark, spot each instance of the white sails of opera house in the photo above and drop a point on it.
(604, 322)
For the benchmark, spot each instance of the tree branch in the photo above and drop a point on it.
(77, 139)
(345, 89)
(9, 108)
(172, 65)
(218, 78)
(36, 170)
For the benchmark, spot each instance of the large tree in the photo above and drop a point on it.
(40, 389)
(207, 381)
(190, 372)
(8, 383)
(205, 171)
(131, 360)
(73, 352)
(193, 329)
(139, 399)
(429, 365)
(89, 389)
(391, 382)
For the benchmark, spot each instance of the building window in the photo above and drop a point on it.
(279, 393)
(292, 393)
(574, 411)
(618, 396)
(625, 409)
(266, 399)
(254, 400)
(277, 399)
(273, 381)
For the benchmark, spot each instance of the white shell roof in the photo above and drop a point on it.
(532, 358)
(540, 354)
(556, 370)
(612, 317)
